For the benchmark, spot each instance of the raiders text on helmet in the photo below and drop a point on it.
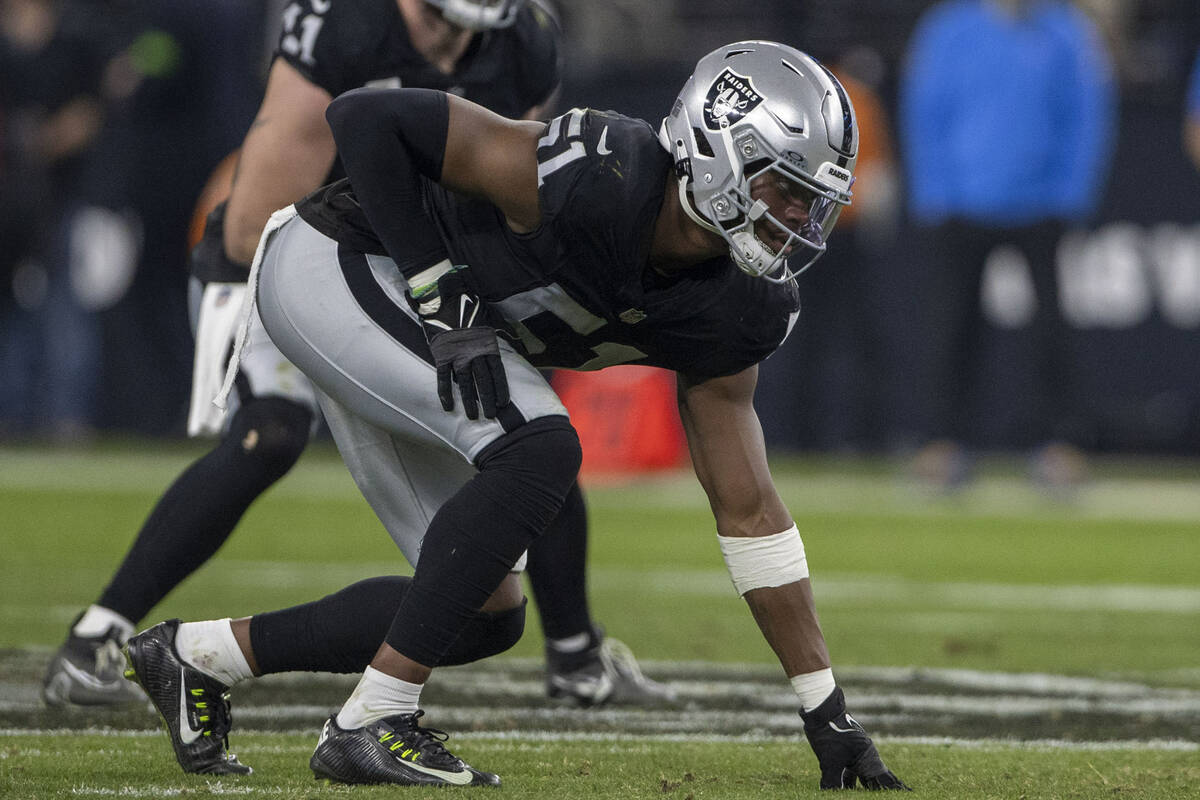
(753, 109)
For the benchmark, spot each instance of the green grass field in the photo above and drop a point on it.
(999, 643)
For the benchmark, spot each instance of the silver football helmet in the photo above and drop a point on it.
(760, 129)
(479, 15)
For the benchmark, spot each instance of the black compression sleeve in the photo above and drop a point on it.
(387, 140)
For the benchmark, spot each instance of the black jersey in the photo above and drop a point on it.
(577, 293)
(344, 44)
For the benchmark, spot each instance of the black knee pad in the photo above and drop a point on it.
(478, 534)
(487, 635)
(271, 431)
(545, 452)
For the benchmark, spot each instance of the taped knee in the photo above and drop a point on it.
(271, 430)
(487, 635)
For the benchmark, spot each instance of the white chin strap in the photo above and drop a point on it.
(748, 250)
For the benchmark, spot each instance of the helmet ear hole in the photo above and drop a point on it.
(702, 146)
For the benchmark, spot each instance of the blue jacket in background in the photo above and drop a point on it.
(1006, 121)
(1193, 95)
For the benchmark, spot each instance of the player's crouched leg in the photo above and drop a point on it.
(480, 533)
(341, 632)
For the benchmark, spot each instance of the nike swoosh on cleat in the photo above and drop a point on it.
(602, 145)
(457, 778)
(186, 733)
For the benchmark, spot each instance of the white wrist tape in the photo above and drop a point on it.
(758, 561)
(427, 276)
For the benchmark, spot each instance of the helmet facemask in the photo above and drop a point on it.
(479, 15)
(783, 219)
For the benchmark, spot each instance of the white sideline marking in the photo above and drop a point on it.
(833, 590)
(738, 679)
(1179, 745)
(1175, 745)
(834, 489)
(760, 709)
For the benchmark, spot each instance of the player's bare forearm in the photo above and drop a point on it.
(495, 158)
(287, 153)
(730, 459)
(726, 443)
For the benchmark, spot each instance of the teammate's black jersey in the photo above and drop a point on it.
(577, 293)
(344, 44)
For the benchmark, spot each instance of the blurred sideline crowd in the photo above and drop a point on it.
(1020, 269)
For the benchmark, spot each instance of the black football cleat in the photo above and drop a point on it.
(393, 750)
(604, 673)
(194, 707)
(87, 671)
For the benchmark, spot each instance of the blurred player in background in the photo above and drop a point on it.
(467, 251)
(55, 101)
(503, 55)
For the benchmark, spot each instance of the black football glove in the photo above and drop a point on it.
(844, 750)
(463, 343)
(208, 260)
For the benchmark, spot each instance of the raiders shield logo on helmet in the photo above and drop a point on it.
(730, 98)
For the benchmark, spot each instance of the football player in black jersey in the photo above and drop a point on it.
(464, 251)
(502, 55)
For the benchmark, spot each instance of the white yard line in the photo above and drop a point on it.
(834, 490)
(1177, 745)
(839, 590)
(835, 590)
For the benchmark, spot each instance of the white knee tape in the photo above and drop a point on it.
(758, 561)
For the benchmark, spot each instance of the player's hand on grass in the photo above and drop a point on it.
(463, 344)
(844, 751)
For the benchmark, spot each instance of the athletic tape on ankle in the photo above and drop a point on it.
(756, 562)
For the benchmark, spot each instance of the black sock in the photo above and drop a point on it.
(197, 513)
(342, 631)
(557, 571)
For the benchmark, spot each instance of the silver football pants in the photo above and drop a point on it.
(345, 323)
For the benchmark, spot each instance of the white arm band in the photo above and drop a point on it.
(758, 561)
